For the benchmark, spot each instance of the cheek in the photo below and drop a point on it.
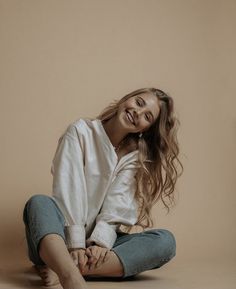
(121, 107)
(129, 103)
(143, 124)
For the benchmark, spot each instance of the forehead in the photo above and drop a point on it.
(152, 103)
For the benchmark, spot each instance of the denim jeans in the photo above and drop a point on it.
(137, 252)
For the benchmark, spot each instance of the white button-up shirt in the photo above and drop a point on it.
(94, 191)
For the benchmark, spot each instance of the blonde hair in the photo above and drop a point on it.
(157, 157)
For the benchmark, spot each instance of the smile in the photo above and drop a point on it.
(130, 118)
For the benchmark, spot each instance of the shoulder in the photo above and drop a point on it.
(79, 126)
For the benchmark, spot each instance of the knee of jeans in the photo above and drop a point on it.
(168, 243)
(34, 202)
(38, 199)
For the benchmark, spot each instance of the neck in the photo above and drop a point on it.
(114, 131)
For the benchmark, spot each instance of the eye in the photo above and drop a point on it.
(148, 118)
(138, 102)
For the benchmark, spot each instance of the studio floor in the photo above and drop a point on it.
(173, 275)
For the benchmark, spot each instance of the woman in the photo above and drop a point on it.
(108, 172)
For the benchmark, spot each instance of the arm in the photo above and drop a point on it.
(69, 186)
(119, 207)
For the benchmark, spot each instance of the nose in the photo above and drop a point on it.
(139, 111)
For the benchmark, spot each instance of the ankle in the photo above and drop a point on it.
(111, 268)
(68, 273)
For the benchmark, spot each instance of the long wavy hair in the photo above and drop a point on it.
(158, 160)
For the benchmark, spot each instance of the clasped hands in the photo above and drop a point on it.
(93, 256)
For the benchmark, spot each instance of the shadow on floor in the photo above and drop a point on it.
(20, 278)
(139, 278)
(26, 277)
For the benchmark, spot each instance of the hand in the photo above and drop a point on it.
(79, 257)
(97, 256)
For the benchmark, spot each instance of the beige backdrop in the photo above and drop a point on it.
(61, 60)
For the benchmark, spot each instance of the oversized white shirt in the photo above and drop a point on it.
(94, 191)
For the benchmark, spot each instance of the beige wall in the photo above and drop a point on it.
(61, 60)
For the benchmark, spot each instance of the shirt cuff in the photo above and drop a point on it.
(104, 235)
(75, 236)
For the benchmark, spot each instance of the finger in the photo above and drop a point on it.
(107, 256)
(101, 259)
(89, 256)
(96, 255)
(92, 263)
(81, 259)
(88, 252)
(85, 261)
(96, 251)
(91, 253)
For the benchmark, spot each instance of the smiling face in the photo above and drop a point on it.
(139, 112)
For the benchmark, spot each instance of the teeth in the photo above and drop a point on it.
(130, 117)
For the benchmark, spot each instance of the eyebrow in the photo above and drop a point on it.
(146, 104)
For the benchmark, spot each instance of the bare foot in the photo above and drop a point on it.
(73, 281)
(48, 276)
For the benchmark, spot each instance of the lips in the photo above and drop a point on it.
(130, 117)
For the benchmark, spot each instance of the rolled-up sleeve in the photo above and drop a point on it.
(119, 207)
(69, 186)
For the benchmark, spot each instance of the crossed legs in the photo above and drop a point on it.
(61, 268)
(130, 255)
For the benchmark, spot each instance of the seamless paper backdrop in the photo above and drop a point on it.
(62, 60)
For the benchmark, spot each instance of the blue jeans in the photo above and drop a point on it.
(137, 252)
